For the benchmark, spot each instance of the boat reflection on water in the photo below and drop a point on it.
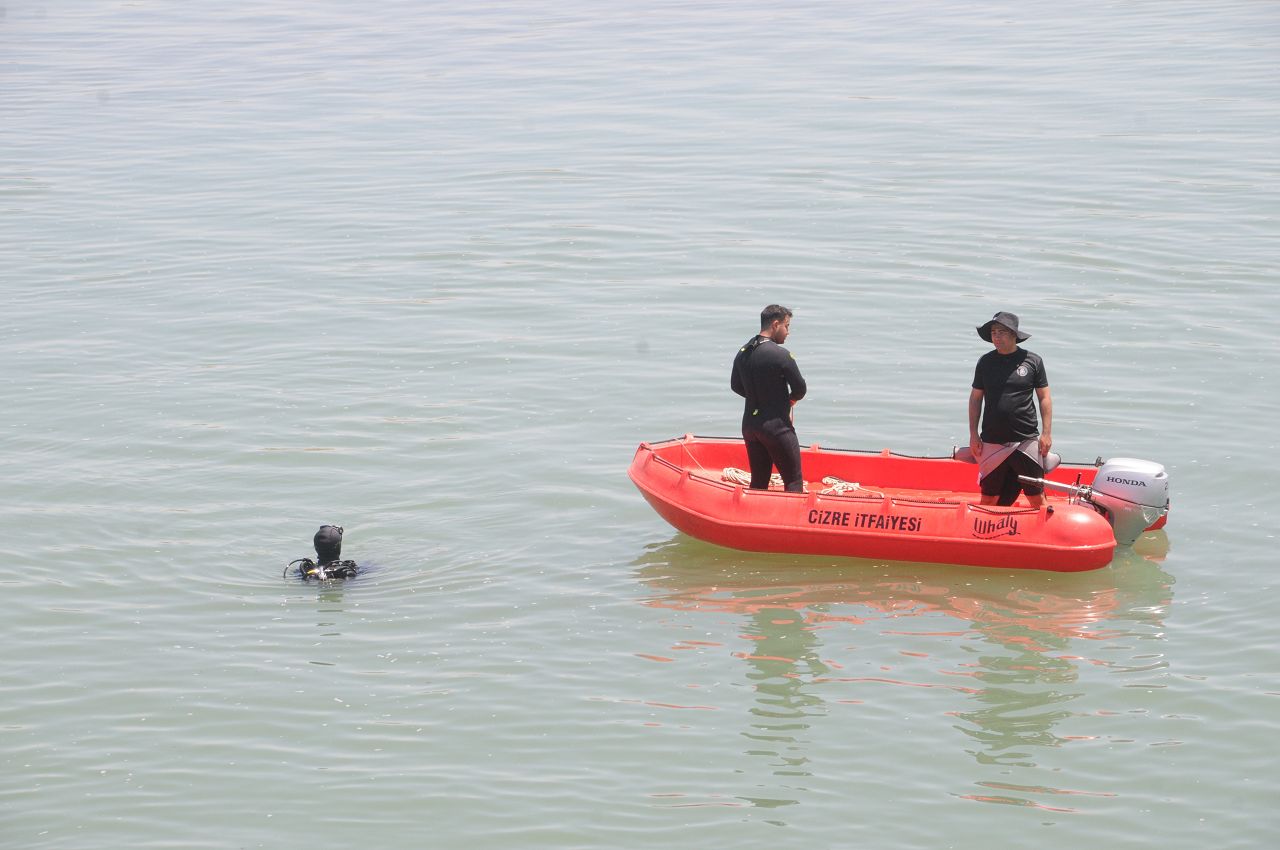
(784, 661)
(1013, 652)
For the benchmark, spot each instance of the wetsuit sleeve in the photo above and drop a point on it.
(735, 377)
(794, 379)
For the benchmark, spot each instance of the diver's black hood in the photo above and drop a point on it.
(328, 543)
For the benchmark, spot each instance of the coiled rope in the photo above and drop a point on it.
(835, 486)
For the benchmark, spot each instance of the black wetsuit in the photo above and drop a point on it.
(766, 375)
(308, 568)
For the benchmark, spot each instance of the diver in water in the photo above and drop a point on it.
(328, 563)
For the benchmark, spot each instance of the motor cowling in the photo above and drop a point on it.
(1133, 494)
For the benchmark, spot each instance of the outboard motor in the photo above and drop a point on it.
(1132, 494)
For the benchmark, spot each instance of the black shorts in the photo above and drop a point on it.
(1003, 480)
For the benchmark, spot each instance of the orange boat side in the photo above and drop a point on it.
(920, 509)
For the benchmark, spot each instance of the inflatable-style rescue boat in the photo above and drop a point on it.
(887, 506)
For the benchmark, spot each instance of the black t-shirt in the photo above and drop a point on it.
(1008, 382)
(766, 375)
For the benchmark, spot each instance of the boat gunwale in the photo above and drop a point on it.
(653, 445)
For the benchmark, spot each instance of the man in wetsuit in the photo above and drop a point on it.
(1010, 443)
(766, 375)
(328, 563)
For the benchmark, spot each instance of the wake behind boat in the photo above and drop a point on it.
(896, 507)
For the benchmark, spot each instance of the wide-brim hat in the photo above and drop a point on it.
(1009, 320)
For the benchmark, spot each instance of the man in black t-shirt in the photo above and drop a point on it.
(1010, 442)
(766, 375)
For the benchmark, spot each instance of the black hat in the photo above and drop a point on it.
(1009, 320)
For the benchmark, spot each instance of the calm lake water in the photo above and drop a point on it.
(432, 271)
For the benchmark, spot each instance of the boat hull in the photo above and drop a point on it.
(907, 509)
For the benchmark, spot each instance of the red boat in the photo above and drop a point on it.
(895, 507)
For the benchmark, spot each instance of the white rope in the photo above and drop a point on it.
(740, 476)
(835, 486)
(840, 487)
